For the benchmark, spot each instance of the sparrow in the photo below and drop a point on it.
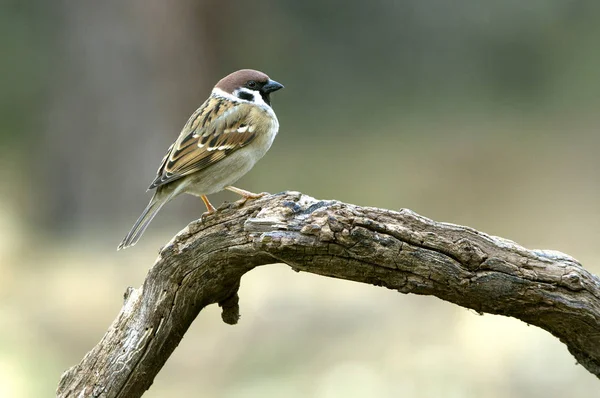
(220, 142)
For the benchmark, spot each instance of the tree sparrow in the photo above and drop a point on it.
(220, 143)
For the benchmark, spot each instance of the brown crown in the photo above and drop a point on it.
(237, 79)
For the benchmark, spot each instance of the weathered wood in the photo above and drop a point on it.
(400, 250)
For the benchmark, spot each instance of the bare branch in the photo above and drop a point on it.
(402, 251)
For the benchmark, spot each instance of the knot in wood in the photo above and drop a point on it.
(572, 280)
(470, 254)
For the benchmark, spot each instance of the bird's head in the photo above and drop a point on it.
(249, 85)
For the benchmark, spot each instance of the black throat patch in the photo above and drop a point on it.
(266, 98)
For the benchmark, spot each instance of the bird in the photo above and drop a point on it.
(220, 142)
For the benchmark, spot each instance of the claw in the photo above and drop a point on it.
(255, 195)
(246, 194)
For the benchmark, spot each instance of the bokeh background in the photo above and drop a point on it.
(479, 113)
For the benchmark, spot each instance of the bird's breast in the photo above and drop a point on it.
(233, 167)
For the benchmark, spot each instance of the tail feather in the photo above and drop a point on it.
(156, 203)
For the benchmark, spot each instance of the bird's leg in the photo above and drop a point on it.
(245, 194)
(211, 209)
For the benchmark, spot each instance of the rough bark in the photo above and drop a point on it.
(400, 250)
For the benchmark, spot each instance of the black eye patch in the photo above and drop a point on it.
(245, 96)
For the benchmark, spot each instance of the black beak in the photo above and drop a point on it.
(271, 86)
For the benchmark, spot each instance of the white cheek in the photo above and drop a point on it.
(256, 97)
(257, 100)
(220, 93)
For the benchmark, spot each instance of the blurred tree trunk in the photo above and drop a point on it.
(131, 73)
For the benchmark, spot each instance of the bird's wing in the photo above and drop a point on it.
(216, 129)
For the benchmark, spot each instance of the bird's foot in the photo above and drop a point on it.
(246, 195)
(210, 209)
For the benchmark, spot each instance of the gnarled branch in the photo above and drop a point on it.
(400, 250)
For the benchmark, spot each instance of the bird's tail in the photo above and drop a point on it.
(156, 203)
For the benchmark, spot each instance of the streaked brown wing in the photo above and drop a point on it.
(215, 130)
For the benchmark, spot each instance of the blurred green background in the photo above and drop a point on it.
(478, 113)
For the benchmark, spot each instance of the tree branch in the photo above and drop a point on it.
(400, 250)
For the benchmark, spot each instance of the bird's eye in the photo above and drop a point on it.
(251, 84)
